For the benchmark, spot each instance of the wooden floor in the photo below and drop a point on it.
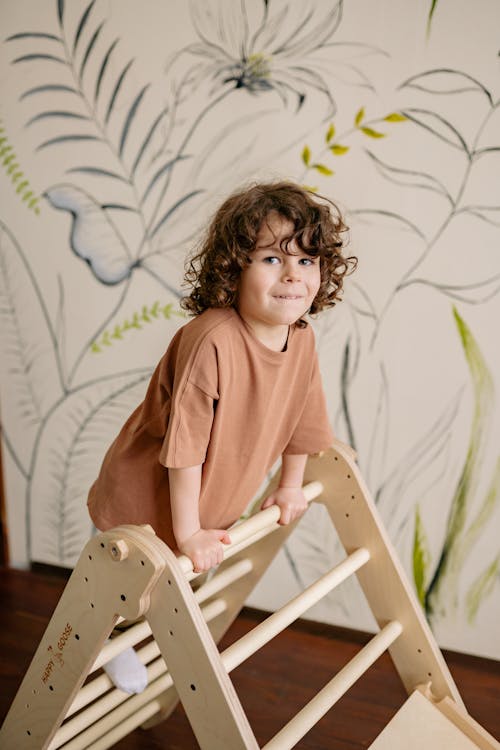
(272, 685)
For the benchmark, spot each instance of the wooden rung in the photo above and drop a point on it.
(139, 632)
(242, 535)
(275, 623)
(116, 717)
(128, 638)
(126, 726)
(100, 685)
(335, 689)
(223, 579)
(72, 728)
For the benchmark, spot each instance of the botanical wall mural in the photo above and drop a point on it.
(123, 127)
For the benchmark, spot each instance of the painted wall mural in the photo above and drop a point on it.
(122, 127)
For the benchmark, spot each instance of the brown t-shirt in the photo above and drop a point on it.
(221, 398)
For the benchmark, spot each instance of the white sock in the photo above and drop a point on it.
(127, 672)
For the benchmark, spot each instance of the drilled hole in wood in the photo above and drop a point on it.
(92, 605)
(51, 688)
(193, 687)
(86, 579)
(123, 597)
(90, 557)
(77, 636)
(348, 476)
(34, 691)
(353, 497)
(142, 562)
(419, 650)
(347, 515)
(102, 545)
(429, 674)
(28, 732)
(27, 705)
(336, 458)
(169, 582)
(175, 610)
(171, 632)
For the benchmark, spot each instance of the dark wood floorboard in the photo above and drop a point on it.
(272, 685)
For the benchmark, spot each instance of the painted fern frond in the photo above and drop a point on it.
(15, 174)
(135, 321)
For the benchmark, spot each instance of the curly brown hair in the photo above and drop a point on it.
(214, 271)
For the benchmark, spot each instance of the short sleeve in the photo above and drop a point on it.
(193, 399)
(189, 426)
(312, 433)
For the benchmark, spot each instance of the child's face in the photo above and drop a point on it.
(276, 289)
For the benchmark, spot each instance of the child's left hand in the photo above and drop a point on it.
(291, 501)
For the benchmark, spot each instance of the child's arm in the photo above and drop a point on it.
(289, 496)
(202, 546)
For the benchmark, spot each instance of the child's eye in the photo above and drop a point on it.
(271, 259)
(308, 261)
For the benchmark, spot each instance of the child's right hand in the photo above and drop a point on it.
(204, 548)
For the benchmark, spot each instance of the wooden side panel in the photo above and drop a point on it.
(102, 588)
(383, 580)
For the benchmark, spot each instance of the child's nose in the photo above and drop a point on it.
(291, 270)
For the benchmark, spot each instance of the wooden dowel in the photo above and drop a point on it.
(130, 637)
(243, 533)
(107, 706)
(293, 732)
(223, 579)
(139, 632)
(114, 718)
(100, 685)
(275, 623)
(128, 725)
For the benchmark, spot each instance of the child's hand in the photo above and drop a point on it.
(204, 548)
(291, 501)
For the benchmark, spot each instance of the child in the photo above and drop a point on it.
(239, 384)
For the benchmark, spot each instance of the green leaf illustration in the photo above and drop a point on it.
(323, 169)
(306, 155)
(12, 168)
(146, 315)
(442, 594)
(431, 13)
(481, 589)
(421, 558)
(371, 133)
(395, 117)
(359, 116)
(338, 150)
(330, 133)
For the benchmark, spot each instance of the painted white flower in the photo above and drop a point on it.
(264, 46)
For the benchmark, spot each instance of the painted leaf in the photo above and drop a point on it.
(330, 133)
(371, 133)
(446, 81)
(339, 150)
(395, 117)
(359, 116)
(323, 169)
(74, 440)
(438, 126)
(409, 178)
(489, 214)
(28, 363)
(481, 589)
(442, 595)
(306, 155)
(420, 558)
(93, 235)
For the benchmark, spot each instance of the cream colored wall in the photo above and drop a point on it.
(105, 185)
